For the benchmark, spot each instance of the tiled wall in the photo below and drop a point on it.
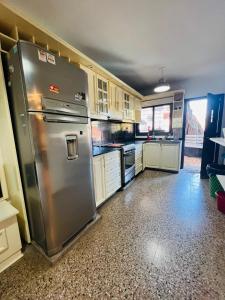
(104, 132)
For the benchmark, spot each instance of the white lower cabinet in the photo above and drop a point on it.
(107, 175)
(10, 243)
(152, 155)
(138, 158)
(99, 179)
(164, 156)
(170, 157)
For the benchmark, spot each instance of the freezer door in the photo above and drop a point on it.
(53, 78)
(64, 175)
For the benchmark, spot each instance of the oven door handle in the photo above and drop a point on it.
(128, 154)
(132, 151)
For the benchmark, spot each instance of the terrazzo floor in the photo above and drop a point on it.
(161, 238)
(192, 163)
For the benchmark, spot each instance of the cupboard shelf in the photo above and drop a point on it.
(7, 42)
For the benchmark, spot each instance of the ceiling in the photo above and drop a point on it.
(133, 39)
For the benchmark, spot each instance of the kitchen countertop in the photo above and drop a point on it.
(158, 141)
(98, 150)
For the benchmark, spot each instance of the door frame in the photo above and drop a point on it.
(184, 124)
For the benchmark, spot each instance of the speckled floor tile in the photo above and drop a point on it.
(161, 238)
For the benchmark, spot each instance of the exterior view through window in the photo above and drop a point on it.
(146, 120)
(156, 118)
(194, 133)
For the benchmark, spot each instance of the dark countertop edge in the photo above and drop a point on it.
(158, 141)
(96, 151)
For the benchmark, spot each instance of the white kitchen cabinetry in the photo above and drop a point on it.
(102, 96)
(98, 94)
(137, 110)
(112, 173)
(138, 158)
(115, 102)
(107, 175)
(152, 155)
(170, 157)
(10, 243)
(164, 156)
(128, 108)
(99, 179)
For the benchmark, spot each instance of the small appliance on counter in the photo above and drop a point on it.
(49, 109)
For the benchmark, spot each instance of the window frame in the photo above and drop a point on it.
(156, 132)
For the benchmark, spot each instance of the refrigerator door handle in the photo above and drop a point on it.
(72, 147)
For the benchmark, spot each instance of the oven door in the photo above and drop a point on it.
(129, 161)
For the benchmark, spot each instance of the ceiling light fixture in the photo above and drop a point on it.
(162, 86)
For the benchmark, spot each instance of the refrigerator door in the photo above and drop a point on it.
(50, 76)
(64, 176)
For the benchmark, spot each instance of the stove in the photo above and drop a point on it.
(127, 161)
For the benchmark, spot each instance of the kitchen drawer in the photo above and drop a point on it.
(138, 153)
(112, 165)
(111, 189)
(10, 243)
(113, 180)
(113, 173)
(138, 169)
(112, 155)
(138, 159)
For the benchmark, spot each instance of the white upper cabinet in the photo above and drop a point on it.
(109, 101)
(128, 115)
(137, 110)
(102, 96)
(115, 102)
(92, 104)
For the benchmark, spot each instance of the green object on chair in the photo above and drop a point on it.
(214, 186)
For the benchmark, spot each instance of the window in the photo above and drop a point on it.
(146, 119)
(162, 118)
(155, 119)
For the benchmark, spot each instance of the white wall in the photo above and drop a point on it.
(197, 87)
(159, 101)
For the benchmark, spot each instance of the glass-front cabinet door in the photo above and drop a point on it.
(102, 96)
(127, 107)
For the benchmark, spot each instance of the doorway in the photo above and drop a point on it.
(196, 112)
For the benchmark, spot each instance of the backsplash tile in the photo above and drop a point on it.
(105, 132)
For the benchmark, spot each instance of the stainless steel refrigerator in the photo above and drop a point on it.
(50, 115)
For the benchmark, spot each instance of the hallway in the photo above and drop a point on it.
(161, 238)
